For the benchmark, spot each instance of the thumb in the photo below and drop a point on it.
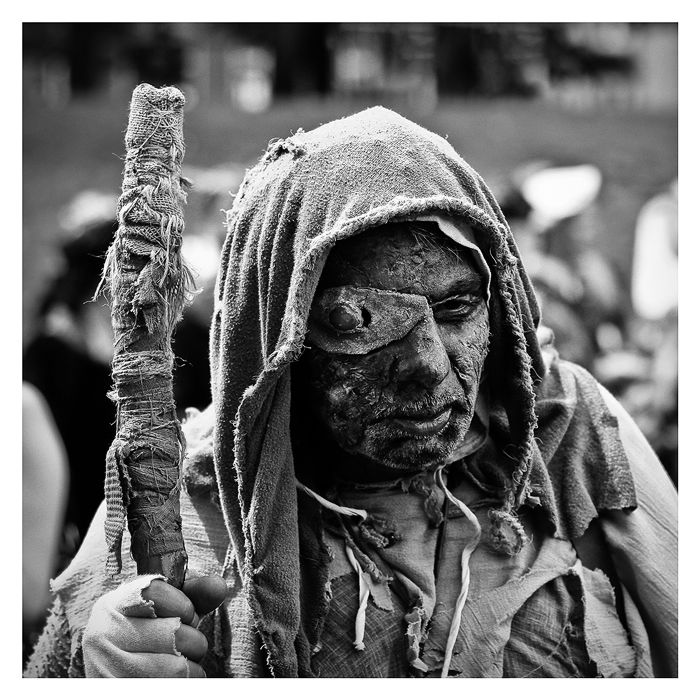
(206, 593)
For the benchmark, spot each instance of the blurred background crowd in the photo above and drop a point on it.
(574, 127)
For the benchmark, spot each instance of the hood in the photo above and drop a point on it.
(307, 193)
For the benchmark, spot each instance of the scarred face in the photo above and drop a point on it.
(398, 334)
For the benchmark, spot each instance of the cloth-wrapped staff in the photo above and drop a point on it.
(148, 286)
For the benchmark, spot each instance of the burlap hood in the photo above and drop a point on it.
(307, 193)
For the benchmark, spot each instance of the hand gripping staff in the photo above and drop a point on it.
(148, 285)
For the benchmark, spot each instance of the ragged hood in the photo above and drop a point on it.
(307, 193)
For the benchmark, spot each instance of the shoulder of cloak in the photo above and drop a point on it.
(580, 467)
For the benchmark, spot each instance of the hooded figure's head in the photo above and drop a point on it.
(368, 276)
(398, 335)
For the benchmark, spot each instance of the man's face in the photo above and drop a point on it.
(398, 378)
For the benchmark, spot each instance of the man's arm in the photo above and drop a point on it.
(644, 543)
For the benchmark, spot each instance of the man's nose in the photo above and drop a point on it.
(423, 359)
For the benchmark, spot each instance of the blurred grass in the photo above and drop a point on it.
(80, 146)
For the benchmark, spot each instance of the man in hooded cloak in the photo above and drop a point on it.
(398, 476)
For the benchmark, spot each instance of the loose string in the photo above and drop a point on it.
(471, 545)
(359, 642)
(342, 510)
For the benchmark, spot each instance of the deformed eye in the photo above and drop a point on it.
(345, 317)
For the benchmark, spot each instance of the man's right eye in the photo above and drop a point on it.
(455, 308)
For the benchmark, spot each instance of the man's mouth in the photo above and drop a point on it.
(422, 424)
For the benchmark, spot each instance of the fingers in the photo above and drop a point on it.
(169, 601)
(206, 593)
(191, 643)
(144, 628)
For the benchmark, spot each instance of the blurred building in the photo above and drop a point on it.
(626, 65)
(580, 65)
(395, 60)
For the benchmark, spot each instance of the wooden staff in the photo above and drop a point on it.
(148, 286)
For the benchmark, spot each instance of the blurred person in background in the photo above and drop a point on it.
(643, 371)
(44, 494)
(630, 348)
(398, 475)
(654, 404)
(67, 358)
(552, 211)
